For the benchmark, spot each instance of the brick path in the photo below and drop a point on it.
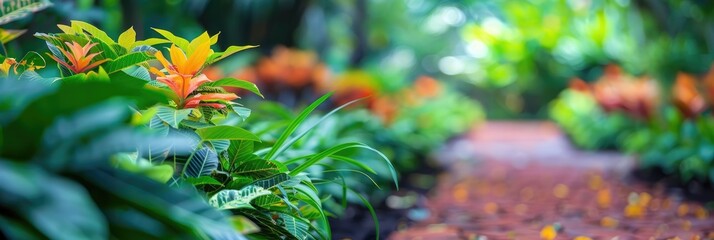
(526, 177)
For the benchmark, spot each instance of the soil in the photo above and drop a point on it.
(518, 180)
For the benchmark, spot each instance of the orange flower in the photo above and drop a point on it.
(579, 85)
(686, 96)
(608, 94)
(182, 76)
(291, 67)
(617, 91)
(427, 87)
(79, 57)
(640, 97)
(385, 108)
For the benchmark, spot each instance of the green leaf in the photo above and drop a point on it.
(298, 227)
(239, 151)
(269, 228)
(272, 181)
(148, 42)
(203, 180)
(314, 125)
(14, 10)
(371, 211)
(294, 125)
(178, 41)
(225, 133)
(32, 76)
(30, 62)
(94, 31)
(140, 73)
(202, 163)
(7, 35)
(244, 225)
(230, 51)
(126, 61)
(171, 115)
(68, 98)
(236, 199)
(127, 38)
(338, 148)
(179, 210)
(313, 200)
(56, 207)
(107, 51)
(258, 168)
(232, 82)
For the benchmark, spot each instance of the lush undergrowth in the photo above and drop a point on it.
(107, 137)
(633, 115)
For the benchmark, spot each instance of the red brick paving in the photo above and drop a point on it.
(526, 176)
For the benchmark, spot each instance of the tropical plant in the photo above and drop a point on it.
(56, 144)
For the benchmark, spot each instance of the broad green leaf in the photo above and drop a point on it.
(13, 10)
(239, 151)
(258, 168)
(230, 51)
(127, 38)
(56, 207)
(236, 199)
(220, 145)
(268, 228)
(244, 225)
(203, 180)
(161, 173)
(65, 29)
(225, 133)
(140, 73)
(298, 227)
(30, 62)
(232, 82)
(107, 51)
(294, 125)
(32, 76)
(172, 116)
(272, 181)
(94, 31)
(178, 41)
(181, 209)
(202, 163)
(126, 61)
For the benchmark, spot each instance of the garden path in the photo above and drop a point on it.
(520, 180)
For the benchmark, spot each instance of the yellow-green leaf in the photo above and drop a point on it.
(127, 38)
(92, 30)
(7, 35)
(179, 41)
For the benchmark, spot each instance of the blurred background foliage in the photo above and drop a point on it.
(512, 56)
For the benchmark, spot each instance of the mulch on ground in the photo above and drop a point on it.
(523, 180)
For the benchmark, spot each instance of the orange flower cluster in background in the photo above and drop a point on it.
(296, 70)
(686, 96)
(285, 67)
(616, 91)
(691, 95)
(356, 84)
